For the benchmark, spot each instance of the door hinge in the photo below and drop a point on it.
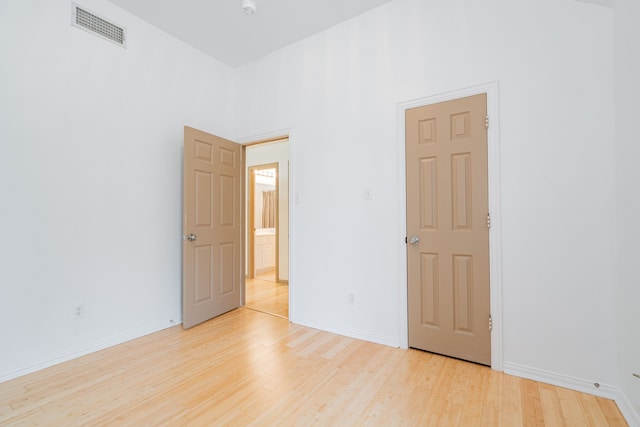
(486, 122)
(488, 220)
(490, 322)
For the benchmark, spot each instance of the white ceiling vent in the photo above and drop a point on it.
(85, 20)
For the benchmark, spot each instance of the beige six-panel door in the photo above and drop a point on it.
(212, 227)
(447, 229)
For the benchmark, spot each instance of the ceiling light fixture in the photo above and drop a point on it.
(249, 7)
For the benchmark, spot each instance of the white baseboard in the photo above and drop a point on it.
(630, 414)
(577, 384)
(348, 332)
(84, 350)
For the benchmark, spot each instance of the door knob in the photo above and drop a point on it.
(191, 237)
(414, 240)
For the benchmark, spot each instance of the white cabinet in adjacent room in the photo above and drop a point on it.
(265, 246)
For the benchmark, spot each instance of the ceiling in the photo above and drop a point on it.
(220, 29)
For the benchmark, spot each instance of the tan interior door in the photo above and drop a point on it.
(212, 227)
(447, 229)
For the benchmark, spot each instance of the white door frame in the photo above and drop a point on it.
(265, 137)
(495, 262)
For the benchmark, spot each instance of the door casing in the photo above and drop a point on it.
(495, 267)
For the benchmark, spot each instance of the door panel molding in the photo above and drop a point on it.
(495, 267)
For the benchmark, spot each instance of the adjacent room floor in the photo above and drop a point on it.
(266, 295)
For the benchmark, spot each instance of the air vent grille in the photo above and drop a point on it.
(86, 20)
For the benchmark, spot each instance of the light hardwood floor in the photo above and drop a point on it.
(264, 294)
(251, 368)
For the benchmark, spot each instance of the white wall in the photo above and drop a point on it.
(91, 178)
(339, 90)
(277, 152)
(627, 35)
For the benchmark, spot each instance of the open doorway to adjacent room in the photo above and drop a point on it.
(267, 232)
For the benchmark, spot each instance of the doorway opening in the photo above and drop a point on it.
(267, 227)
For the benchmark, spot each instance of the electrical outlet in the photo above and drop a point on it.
(351, 299)
(78, 312)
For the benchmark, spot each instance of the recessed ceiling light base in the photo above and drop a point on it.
(248, 7)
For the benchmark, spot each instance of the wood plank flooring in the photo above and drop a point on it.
(250, 368)
(264, 294)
